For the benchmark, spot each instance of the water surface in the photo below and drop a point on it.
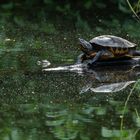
(67, 102)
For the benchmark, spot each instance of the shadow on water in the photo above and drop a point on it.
(66, 102)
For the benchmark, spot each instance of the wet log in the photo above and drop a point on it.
(132, 62)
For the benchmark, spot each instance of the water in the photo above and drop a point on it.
(64, 101)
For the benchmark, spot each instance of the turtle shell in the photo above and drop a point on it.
(112, 41)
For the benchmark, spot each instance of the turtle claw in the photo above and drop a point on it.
(96, 58)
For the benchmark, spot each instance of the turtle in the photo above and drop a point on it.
(107, 47)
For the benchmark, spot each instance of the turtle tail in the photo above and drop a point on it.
(136, 53)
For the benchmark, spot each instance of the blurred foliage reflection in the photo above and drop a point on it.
(86, 15)
(36, 105)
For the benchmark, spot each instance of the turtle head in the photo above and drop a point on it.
(85, 46)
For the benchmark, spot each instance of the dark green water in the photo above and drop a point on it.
(62, 105)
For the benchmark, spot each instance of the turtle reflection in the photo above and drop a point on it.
(110, 79)
(104, 79)
(107, 88)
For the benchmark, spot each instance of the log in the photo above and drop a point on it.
(132, 62)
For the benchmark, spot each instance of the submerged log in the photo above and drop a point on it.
(134, 61)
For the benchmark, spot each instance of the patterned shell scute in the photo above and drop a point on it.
(112, 41)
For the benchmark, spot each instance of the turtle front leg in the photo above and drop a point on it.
(96, 58)
(81, 58)
(104, 53)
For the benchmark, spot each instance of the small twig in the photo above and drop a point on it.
(133, 10)
(137, 113)
(124, 109)
(137, 117)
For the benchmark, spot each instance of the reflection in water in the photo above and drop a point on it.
(44, 63)
(65, 121)
(40, 105)
(98, 115)
(115, 87)
(107, 78)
